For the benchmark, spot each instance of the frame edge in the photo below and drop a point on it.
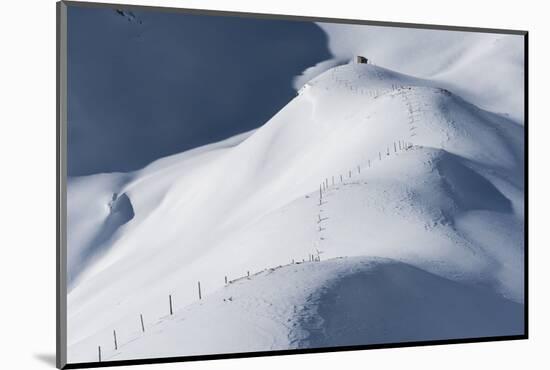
(61, 186)
(293, 17)
(61, 176)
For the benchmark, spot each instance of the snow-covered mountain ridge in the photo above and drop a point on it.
(363, 162)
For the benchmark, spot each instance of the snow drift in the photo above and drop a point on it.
(471, 64)
(422, 186)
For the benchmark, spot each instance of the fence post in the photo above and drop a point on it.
(359, 169)
(341, 180)
(248, 274)
(380, 155)
(349, 173)
(141, 319)
(170, 301)
(394, 147)
(369, 163)
(200, 295)
(99, 352)
(226, 280)
(114, 337)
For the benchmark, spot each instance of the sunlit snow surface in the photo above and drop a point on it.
(423, 200)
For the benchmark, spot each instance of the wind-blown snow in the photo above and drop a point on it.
(484, 68)
(312, 72)
(423, 187)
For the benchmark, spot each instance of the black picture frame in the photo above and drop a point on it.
(61, 177)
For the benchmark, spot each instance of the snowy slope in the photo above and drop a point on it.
(447, 204)
(485, 68)
(90, 200)
(301, 305)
